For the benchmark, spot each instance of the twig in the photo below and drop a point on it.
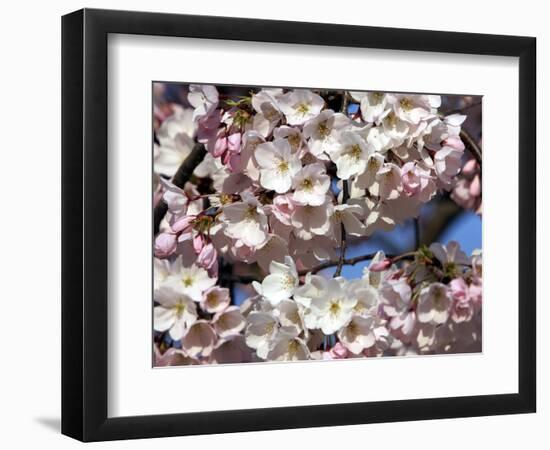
(471, 145)
(464, 108)
(344, 244)
(244, 279)
(181, 177)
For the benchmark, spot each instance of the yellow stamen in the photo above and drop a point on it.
(406, 104)
(282, 167)
(302, 108)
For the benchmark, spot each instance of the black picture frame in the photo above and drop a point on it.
(84, 224)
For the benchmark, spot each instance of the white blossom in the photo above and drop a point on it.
(278, 165)
(311, 185)
(300, 105)
(281, 281)
(332, 309)
(434, 304)
(176, 312)
(352, 155)
(246, 221)
(191, 281)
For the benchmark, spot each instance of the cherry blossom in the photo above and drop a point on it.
(278, 165)
(176, 312)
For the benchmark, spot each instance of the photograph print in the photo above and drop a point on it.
(294, 224)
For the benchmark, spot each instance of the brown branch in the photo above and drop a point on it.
(344, 242)
(464, 108)
(471, 145)
(332, 263)
(244, 279)
(181, 177)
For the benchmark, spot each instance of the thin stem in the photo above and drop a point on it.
(181, 177)
(344, 242)
(245, 279)
(471, 145)
(464, 108)
(345, 262)
(345, 197)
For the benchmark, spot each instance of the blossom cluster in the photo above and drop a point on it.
(431, 304)
(287, 180)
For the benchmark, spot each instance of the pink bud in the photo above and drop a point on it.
(208, 125)
(234, 143)
(207, 256)
(220, 145)
(198, 243)
(338, 351)
(165, 245)
(183, 224)
(454, 142)
(380, 265)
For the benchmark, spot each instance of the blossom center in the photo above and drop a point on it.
(283, 167)
(438, 298)
(307, 184)
(323, 129)
(391, 119)
(268, 328)
(377, 97)
(355, 152)
(212, 299)
(225, 198)
(294, 140)
(251, 213)
(179, 309)
(293, 347)
(187, 281)
(374, 164)
(288, 281)
(302, 108)
(406, 104)
(335, 307)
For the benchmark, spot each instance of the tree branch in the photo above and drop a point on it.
(344, 244)
(471, 145)
(181, 177)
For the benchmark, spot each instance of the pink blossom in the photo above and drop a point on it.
(220, 144)
(454, 142)
(338, 351)
(459, 289)
(410, 178)
(183, 224)
(283, 207)
(207, 256)
(380, 266)
(199, 242)
(448, 162)
(165, 244)
(234, 143)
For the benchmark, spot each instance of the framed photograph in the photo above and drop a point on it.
(273, 224)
